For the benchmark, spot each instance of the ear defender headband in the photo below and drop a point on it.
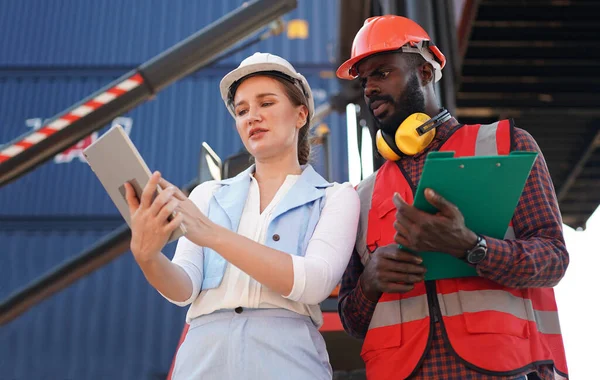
(413, 135)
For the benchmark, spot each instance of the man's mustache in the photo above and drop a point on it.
(385, 98)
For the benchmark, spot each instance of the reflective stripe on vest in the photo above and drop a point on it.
(452, 304)
(365, 190)
(389, 313)
(486, 141)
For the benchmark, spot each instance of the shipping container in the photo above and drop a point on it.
(115, 33)
(109, 325)
(168, 131)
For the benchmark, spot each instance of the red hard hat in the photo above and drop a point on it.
(388, 33)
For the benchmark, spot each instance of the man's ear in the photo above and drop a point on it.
(426, 74)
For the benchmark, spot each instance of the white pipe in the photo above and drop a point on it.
(366, 153)
(354, 169)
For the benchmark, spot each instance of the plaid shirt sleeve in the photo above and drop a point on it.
(538, 257)
(354, 308)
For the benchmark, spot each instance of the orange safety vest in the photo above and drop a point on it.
(491, 328)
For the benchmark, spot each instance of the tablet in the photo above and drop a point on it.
(115, 160)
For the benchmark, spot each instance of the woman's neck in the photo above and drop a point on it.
(271, 174)
(274, 171)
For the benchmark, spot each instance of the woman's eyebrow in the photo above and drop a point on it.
(259, 96)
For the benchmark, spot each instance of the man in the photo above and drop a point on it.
(501, 324)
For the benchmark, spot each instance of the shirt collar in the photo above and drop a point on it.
(309, 175)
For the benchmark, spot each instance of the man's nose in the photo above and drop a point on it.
(371, 89)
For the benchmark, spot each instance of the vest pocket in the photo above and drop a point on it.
(385, 330)
(381, 225)
(492, 311)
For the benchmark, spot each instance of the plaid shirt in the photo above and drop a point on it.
(538, 258)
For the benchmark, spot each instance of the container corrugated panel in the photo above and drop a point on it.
(168, 131)
(75, 33)
(109, 325)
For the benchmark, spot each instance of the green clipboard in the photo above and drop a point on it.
(486, 189)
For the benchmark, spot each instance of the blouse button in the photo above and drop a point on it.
(276, 237)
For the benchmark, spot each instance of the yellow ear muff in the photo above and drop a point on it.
(412, 136)
(384, 149)
(408, 139)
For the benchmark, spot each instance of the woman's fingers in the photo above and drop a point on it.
(163, 183)
(178, 193)
(161, 200)
(149, 190)
(167, 210)
(131, 198)
(174, 223)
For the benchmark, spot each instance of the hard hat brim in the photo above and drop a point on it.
(343, 72)
(241, 72)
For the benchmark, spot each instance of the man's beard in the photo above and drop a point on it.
(410, 101)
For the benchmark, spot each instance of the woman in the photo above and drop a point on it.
(262, 249)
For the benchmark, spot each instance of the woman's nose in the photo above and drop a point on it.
(253, 117)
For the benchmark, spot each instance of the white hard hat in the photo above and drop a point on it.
(265, 62)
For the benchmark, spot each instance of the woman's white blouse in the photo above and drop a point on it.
(315, 275)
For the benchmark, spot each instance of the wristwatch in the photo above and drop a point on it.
(478, 253)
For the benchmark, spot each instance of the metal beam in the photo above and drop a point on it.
(486, 111)
(100, 254)
(352, 16)
(465, 27)
(577, 169)
(437, 18)
(109, 248)
(65, 129)
(446, 39)
(544, 101)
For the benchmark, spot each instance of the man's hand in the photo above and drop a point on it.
(391, 270)
(441, 232)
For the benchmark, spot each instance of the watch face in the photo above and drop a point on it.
(477, 255)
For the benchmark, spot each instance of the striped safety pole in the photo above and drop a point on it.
(63, 121)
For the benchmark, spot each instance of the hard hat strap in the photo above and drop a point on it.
(422, 48)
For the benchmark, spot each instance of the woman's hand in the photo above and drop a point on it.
(150, 227)
(199, 229)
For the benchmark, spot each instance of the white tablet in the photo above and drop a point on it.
(115, 160)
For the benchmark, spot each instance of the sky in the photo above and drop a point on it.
(578, 300)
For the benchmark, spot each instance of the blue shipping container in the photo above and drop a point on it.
(109, 325)
(115, 33)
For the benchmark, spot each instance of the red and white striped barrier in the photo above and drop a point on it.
(73, 115)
